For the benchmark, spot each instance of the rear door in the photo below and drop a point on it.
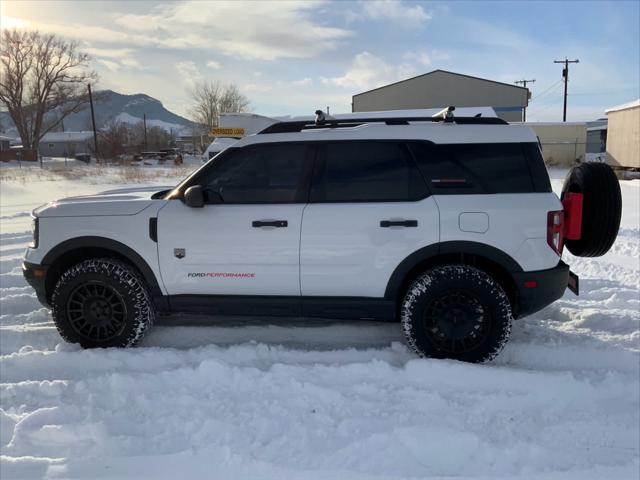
(250, 243)
(369, 209)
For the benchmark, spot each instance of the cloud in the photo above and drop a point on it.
(256, 88)
(369, 71)
(264, 30)
(213, 64)
(261, 30)
(417, 58)
(189, 73)
(304, 82)
(114, 58)
(9, 23)
(397, 11)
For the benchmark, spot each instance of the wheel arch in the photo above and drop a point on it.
(495, 262)
(75, 250)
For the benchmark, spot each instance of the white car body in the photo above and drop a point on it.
(328, 249)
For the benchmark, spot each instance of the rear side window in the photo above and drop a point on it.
(477, 168)
(366, 172)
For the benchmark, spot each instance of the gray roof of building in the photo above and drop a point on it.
(441, 71)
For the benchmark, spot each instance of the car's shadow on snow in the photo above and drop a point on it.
(190, 331)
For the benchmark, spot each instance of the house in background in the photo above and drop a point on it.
(597, 135)
(440, 89)
(65, 144)
(5, 142)
(623, 135)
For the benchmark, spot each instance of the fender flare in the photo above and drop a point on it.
(108, 244)
(458, 247)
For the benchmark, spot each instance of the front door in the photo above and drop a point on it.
(250, 243)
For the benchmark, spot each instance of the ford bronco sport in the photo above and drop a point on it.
(445, 223)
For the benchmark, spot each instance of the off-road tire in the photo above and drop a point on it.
(601, 208)
(448, 281)
(123, 282)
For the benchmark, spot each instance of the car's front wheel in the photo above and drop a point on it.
(102, 303)
(457, 312)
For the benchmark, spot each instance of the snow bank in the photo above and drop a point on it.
(242, 398)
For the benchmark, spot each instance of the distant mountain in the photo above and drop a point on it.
(110, 105)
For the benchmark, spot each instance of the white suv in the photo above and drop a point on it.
(446, 223)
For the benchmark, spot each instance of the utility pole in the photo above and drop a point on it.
(524, 84)
(565, 77)
(93, 123)
(144, 120)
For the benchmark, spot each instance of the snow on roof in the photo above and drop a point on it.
(66, 136)
(4, 137)
(624, 106)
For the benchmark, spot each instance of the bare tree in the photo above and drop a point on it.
(115, 138)
(42, 81)
(212, 98)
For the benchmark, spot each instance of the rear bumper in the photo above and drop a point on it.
(540, 288)
(35, 276)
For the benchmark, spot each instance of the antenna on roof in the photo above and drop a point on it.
(445, 114)
(320, 117)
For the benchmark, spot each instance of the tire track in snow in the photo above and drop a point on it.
(289, 402)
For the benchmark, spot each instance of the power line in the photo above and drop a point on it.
(542, 94)
(524, 84)
(549, 101)
(565, 76)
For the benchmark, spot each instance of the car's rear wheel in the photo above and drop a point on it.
(102, 303)
(457, 312)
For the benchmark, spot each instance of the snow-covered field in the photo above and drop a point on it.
(243, 399)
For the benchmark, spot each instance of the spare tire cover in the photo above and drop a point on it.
(601, 210)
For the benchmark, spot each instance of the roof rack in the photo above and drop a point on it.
(445, 115)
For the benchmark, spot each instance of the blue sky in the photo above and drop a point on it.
(292, 57)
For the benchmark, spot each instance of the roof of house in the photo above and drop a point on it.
(66, 136)
(442, 71)
(624, 106)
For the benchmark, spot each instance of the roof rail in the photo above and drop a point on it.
(445, 115)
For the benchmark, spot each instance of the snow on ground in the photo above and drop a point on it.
(250, 399)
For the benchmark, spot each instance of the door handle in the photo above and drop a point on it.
(269, 223)
(398, 223)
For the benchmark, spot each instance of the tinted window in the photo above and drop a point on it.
(261, 174)
(366, 172)
(474, 168)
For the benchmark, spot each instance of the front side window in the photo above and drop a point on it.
(274, 173)
(366, 172)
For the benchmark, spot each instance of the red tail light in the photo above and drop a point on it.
(572, 203)
(555, 230)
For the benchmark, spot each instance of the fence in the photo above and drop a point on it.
(564, 153)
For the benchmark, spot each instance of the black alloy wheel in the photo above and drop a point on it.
(96, 311)
(456, 322)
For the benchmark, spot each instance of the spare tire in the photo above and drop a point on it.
(601, 208)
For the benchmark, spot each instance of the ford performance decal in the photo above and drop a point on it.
(220, 275)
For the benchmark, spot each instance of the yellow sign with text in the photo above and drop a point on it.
(227, 132)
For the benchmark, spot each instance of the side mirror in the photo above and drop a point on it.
(194, 197)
